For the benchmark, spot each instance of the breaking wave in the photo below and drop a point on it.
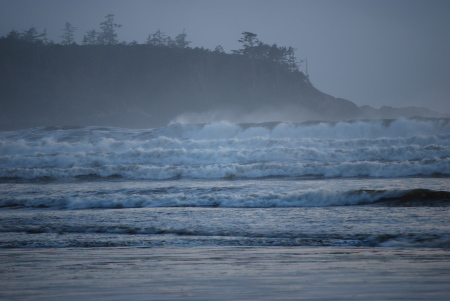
(172, 197)
(371, 148)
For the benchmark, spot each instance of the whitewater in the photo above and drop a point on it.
(222, 211)
(348, 174)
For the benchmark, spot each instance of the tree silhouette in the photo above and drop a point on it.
(180, 40)
(67, 37)
(31, 35)
(249, 41)
(219, 49)
(158, 38)
(292, 60)
(168, 41)
(107, 34)
(13, 34)
(256, 49)
(90, 38)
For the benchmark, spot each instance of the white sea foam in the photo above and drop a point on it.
(379, 148)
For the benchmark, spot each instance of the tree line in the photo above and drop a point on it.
(101, 80)
(107, 35)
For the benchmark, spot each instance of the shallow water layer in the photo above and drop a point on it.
(165, 226)
(225, 273)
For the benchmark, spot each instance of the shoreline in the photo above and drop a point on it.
(225, 273)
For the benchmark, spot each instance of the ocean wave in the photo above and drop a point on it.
(426, 167)
(371, 148)
(150, 237)
(216, 153)
(352, 129)
(187, 198)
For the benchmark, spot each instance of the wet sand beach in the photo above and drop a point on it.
(225, 273)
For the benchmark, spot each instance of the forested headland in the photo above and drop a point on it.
(106, 82)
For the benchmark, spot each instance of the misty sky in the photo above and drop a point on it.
(375, 52)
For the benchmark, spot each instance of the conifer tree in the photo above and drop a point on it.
(180, 40)
(107, 34)
(219, 49)
(67, 36)
(31, 35)
(158, 38)
(249, 42)
(13, 34)
(90, 38)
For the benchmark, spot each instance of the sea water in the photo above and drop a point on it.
(365, 184)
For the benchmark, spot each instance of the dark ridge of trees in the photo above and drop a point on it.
(256, 49)
(107, 35)
(31, 35)
(104, 82)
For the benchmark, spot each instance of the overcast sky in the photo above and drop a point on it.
(374, 52)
